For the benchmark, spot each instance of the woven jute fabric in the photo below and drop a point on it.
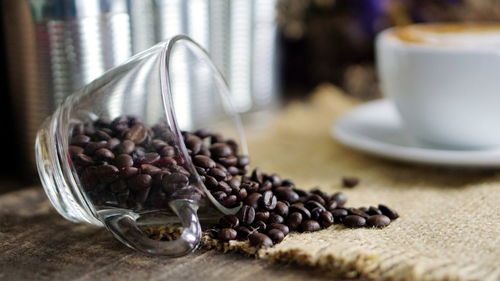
(449, 227)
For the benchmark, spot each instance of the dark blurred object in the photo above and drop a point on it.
(332, 40)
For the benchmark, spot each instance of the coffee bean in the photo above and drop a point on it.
(243, 161)
(262, 216)
(203, 133)
(193, 143)
(227, 234)
(108, 173)
(286, 194)
(260, 226)
(140, 181)
(166, 161)
(339, 215)
(311, 205)
(150, 169)
(241, 194)
(253, 200)
(321, 193)
(268, 201)
(203, 161)
(80, 140)
(128, 172)
(229, 161)
(257, 175)
(223, 186)
(91, 147)
(211, 182)
(309, 226)
(217, 173)
(331, 205)
(102, 135)
(283, 228)
(378, 221)
(317, 198)
(167, 151)
(74, 150)
(250, 186)
(137, 134)
(363, 209)
(229, 221)
(340, 198)
(219, 150)
(326, 219)
(281, 209)
(260, 240)
(299, 207)
(357, 212)
(246, 215)
(350, 182)
(158, 144)
(354, 221)
(276, 235)
(83, 160)
(113, 143)
(173, 182)
(126, 147)
(294, 220)
(243, 232)
(104, 154)
(275, 180)
(265, 186)
(275, 218)
(219, 195)
(373, 211)
(388, 212)
(229, 201)
(149, 158)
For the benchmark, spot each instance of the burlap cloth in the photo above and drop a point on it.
(449, 227)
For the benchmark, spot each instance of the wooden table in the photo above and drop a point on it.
(38, 244)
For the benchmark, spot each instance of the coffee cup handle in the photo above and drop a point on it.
(124, 228)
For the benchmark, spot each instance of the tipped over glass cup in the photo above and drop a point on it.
(115, 153)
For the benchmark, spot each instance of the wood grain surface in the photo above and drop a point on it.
(36, 243)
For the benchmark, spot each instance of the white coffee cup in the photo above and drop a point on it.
(444, 81)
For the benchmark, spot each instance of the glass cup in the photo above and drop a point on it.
(171, 87)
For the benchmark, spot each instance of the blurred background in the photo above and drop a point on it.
(270, 51)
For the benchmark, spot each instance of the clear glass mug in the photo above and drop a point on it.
(175, 84)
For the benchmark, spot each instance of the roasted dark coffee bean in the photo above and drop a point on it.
(80, 140)
(294, 220)
(235, 183)
(257, 175)
(268, 201)
(241, 194)
(281, 209)
(299, 207)
(229, 161)
(193, 143)
(211, 182)
(83, 160)
(102, 135)
(173, 182)
(113, 143)
(140, 181)
(354, 221)
(158, 144)
(373, 211)
(378, 221)
(128, 172)
(104, 154)
(167, 151)
(233, 144)
(227, 234)
(311, 205)
(243, 161)
(107, 173)
(350, 182)
(118, 186)
(74, 150)
(229, 221)
(288, 183)
(217, 173)
(286, 194)
(315, 213)
(260, 226)
(219, 150)
(223, 186)
(229, 201)
(203, 161)
(388, 212)
(340, 198)
(331, 205)
(275, 218)
(219, 195)
(253, 200)
(262, 216)
(216, 138)
(317, 198)
(275, 180)
(126, 147)
(203, 133)
(363, 209)
(150, 169)
(138, 134)
(260, 240)
(282, 227)
(320, 192)
(276, 235)
(339, 215)
(243, 232)
(309, 226)
(91, 147)
(250, 186)
(246, 215)
(166, 161)
(326, 219)
(149, 158)
(357, 212)
(202, 172)
(233, 171)
(78, 129)
(265, 186)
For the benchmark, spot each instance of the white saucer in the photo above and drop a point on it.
(375, 128)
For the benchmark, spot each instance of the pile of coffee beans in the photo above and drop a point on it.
(124, 163)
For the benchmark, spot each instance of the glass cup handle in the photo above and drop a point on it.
(124, 228)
